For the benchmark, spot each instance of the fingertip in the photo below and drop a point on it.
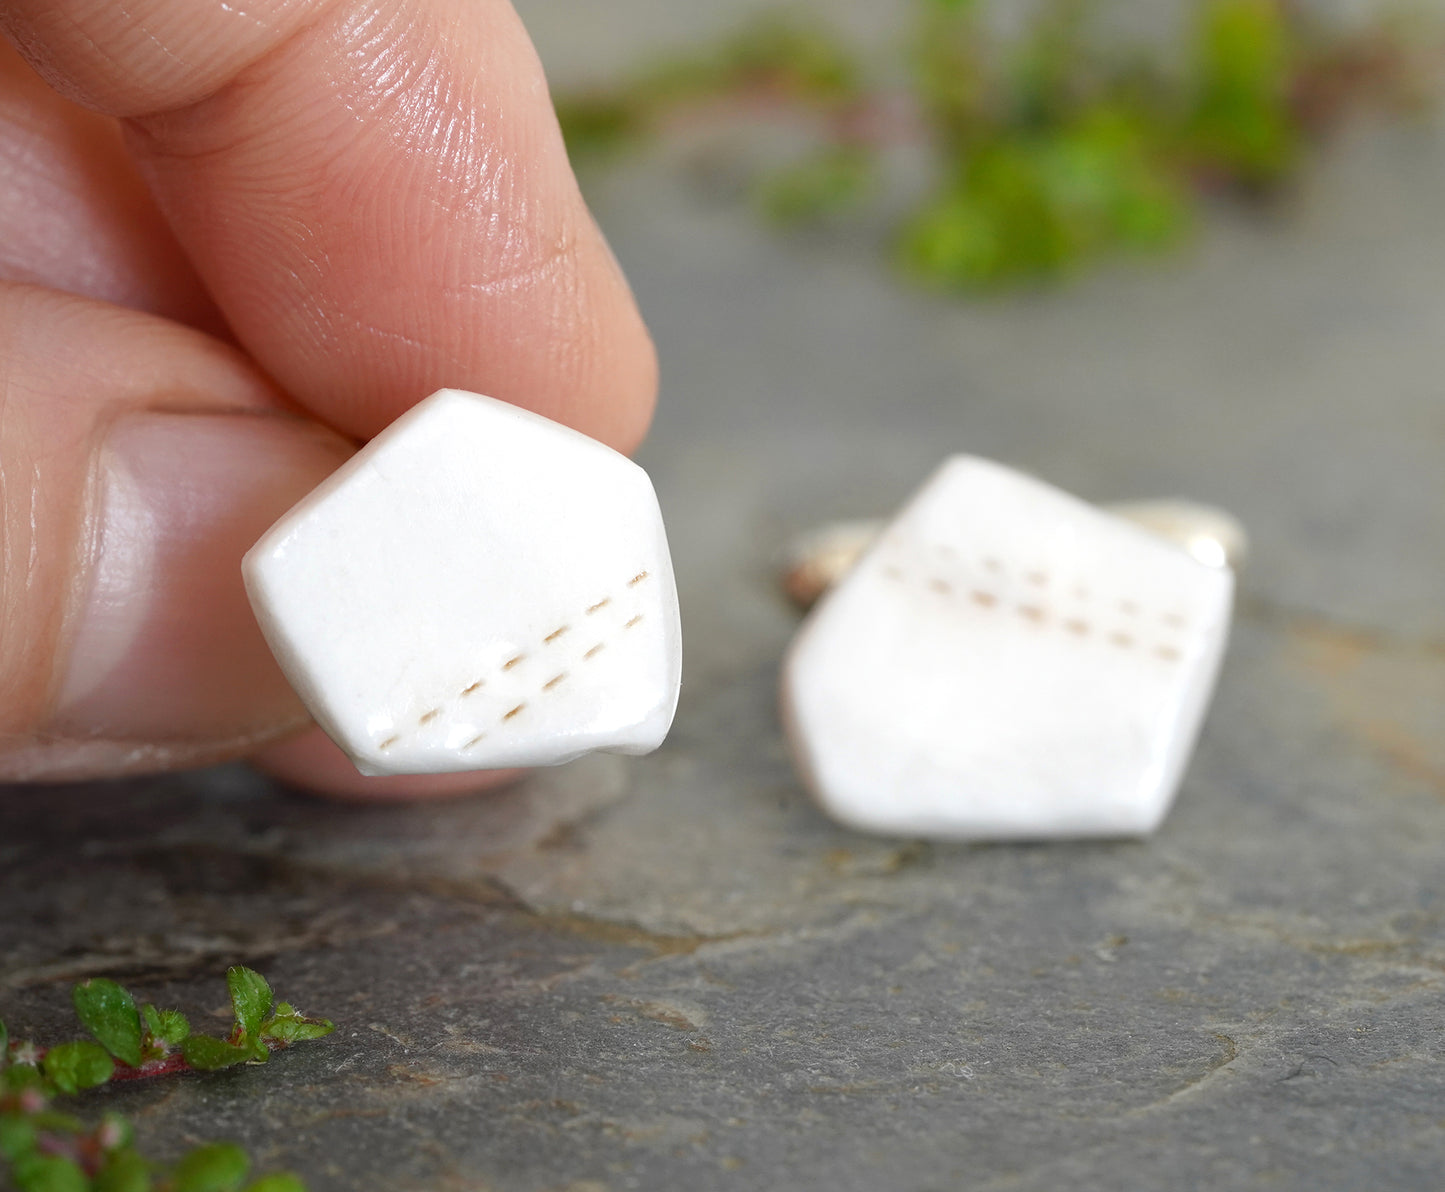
(312, 763)
(383, 207)
(76, 214)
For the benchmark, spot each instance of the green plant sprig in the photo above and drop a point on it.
(1047, 153)
(51, 1151)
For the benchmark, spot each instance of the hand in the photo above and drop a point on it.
(234, 240)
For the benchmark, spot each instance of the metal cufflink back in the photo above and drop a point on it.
(1005, 661)
(477, 588)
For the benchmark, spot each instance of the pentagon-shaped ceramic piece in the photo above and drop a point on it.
(1006, 662)
(479, 587)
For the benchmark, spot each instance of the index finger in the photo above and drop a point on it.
(377, 195)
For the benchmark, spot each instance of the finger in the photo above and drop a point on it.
(74, 213)
(312, 762)
(141, 460)
(376, 194)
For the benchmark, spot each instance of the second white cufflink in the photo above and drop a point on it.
(479, 587)
(1006, 662)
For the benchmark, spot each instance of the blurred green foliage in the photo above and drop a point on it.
(1047, 152)
(1047, 158)
(772, 54)
(826, 183)
(1241, 120)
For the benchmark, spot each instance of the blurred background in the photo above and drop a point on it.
(1141, 249)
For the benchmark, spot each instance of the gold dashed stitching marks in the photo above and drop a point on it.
(1033, 610)
(517, 659)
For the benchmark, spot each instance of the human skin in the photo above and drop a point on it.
(233, 245)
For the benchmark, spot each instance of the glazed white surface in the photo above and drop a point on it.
(1006, 662)
(479, 587)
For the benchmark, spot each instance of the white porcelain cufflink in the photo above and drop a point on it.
(1006, 662)
(479, 587)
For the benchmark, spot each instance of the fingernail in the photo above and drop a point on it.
(162, 642)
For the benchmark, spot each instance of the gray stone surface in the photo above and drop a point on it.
(671, 972)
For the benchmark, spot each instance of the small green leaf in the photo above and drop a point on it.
(166, 1026)
(19, 1077)
(124, 1171)
(293, 1027)
(75, 1066)
(48, 1173)
(17, 1136)
(250, 998)
(108, 1012)
(282, 1182)
(218, 1167)
(208, 1053)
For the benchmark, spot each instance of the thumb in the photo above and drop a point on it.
(138, 461)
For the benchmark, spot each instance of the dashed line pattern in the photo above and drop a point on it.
(517, 660)
(1036, 613)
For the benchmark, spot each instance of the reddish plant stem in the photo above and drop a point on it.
(163, 1067)
(175, 1062)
